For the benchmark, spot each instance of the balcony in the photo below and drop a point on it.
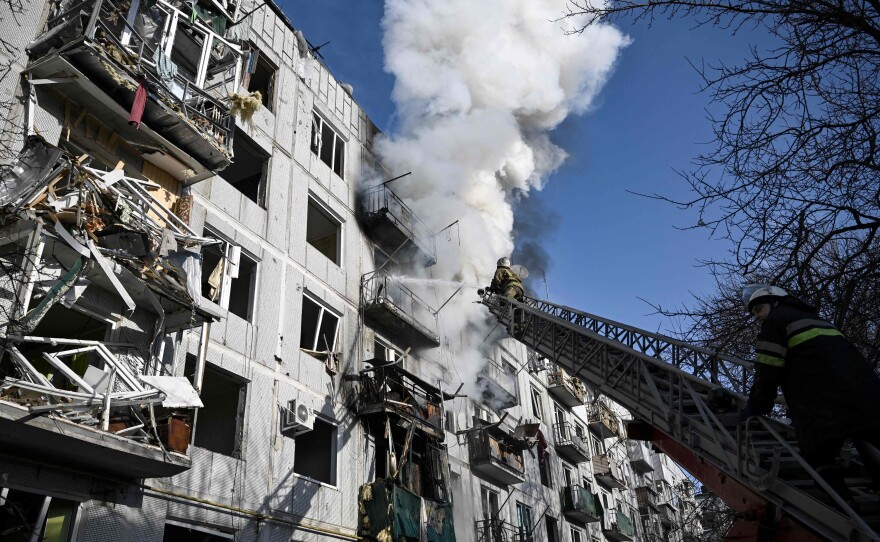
(389, 389)
(390, 512)
(569, 445)
(568, 390)
(639, 456)
(394, 227)
(603, 421)
(497, 387)
(496, 530)
(607, 473)
(618, 527)
(397, 312)
(580, 505)
(646, 497)
(99, 51)
(496, 455)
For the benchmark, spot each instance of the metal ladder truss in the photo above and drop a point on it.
(664, 383)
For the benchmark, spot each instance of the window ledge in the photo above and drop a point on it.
(317, 482)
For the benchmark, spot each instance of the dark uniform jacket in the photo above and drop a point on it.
(828, 386)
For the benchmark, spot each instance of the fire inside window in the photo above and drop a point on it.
(328, 145)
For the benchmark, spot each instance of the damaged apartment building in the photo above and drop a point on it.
(203, 337)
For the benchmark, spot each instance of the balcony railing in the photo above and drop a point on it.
(393, 390)
(397, 311)
(639, 456)
(496, 530)
(496, 455)
(603, 421)
(569, 445)
(580, 504)
(568, 390)
(647, 500)
(497, 387)
(394, 227)
(189, 70)
(619, 527)
(606, 472)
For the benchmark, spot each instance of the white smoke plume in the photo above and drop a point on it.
(479, 84)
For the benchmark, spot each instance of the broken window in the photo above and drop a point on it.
(248, 170)
(328, 145)
(598, 446)
(489, 499)
(30, 516)
(319, 326)
(385, 352)
(219, 424)
(537, 404)
(229, 277)
(181, 532)
(258, 75)
(544, 468)
(323, 231)
(524, 517)
(315, 453)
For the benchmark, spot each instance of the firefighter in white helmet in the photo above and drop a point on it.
(506, 282)
(831, 393)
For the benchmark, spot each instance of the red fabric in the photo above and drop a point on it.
(137, 108)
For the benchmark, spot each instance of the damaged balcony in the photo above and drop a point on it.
(606, 472)
(390, 389)
(568, 390)
(394, 227)
(390, 512)
(87, 255)
(396, 311)
(639, 456)
(496, 455)
(569, 445)
(495, 385)
(603, 422)
(646, 496)
(151, 63)
(618, 527)
(580, 505)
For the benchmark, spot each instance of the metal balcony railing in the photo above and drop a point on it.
(569, 444)
(395, 223)
(397, 310)
(580, 504)
(603, 421)
(607, 472)
(496, 530)
(492, 454)
(569, 390)
(392, 389)
(619, 527)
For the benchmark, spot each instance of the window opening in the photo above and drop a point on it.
(489, 501)
(319, 327)
(598, 446)
(567, 474)
(327, 144)
(315, 453)
(248, 170)
(524, 515)
(220, 422)
(575, 535)
(30, 516)
(537, 405)
(552, 529)
(384, 352)
(185, 533)
(229, 277)
(258, 75)
(323, 232)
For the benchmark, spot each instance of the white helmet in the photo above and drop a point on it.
(504, 262)
(755, 294)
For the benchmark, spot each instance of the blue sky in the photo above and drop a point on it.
(610, 248)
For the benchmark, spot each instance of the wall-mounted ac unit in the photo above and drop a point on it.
(297, 419)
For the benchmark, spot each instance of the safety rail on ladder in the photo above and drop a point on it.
(665, 384)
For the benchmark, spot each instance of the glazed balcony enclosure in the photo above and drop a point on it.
(603, 422)
(639, 456)
(580, 505)
(395, 228)
(496, 455)
(568, 390)
(607, 472)
(618, 527)
(98, 53)
(569, 445)
(396, 311)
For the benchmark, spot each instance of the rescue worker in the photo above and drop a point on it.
(831, 392)
(506, 282)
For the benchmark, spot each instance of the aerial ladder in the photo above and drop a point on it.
(667, 385)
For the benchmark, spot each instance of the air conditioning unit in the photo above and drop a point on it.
(297, 419)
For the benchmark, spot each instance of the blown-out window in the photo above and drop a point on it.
(328, 145)
(319, 327)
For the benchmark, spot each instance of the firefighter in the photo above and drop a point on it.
(831, 392)
(506, 282)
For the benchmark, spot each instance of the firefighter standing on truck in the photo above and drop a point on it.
(831, 392)
(506, 282)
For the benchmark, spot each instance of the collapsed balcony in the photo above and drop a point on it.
(618, 527)
(607, 472)
(639, 456)
(496, 455)
(394, 227)
(395, 311)
(497, 387)
(568, 390)
(390, 389)
(390, 512)
(581, 505)
(85, 252)
(602, 420)
(105, 52)
(570, 445)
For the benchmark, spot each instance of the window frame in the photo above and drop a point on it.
(323, 308)
(229, 253)
(537, 403)
(334, 453)
(252, 48)
(330, 216)
(316, 145)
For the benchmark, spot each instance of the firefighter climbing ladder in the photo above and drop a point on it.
(665, 384)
